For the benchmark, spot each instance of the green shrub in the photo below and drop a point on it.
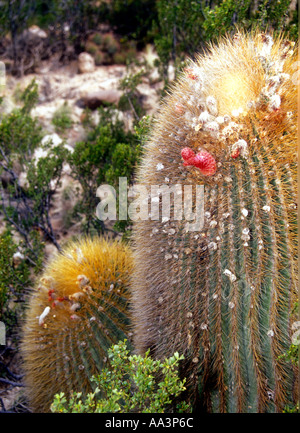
(184, 27)
(108, 152)
(99, 58)
(291, 409)
(97, 39)
(110, 44)
(91, 48)
(20, 134)
(130, 99)
(132, 383)
(26, 205)
(266, 14)
(120, 58)
(62, 118)
(14, 280)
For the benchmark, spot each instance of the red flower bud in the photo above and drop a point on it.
(203, 160)
(206, 163)
(187, 153)
(235, 153)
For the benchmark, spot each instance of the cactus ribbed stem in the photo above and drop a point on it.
(84, 289)
(223, 296)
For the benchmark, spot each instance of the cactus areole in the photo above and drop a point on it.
(223, 295)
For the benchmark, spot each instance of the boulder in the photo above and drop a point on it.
(54, 139)
(36, 31)
(86, 63)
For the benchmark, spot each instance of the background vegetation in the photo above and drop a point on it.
(130, 384)
(176, 27)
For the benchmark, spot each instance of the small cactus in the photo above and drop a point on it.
(223, 296)
(77, 311)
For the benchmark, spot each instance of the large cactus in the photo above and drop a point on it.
(78, 310)
(223, 296)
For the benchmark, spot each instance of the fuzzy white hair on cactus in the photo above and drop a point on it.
(82, 280)
(43, 315)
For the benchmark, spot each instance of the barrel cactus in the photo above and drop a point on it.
(77, 311)
(223, 295)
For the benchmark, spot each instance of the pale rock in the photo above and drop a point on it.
(86, 63)
(54, 139)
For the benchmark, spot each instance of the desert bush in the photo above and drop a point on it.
(97, 39)
(28, 184)
(183, 27)
(19, 132)
(62, 118)
(99, 58)
(110, 49)
(275, 15)
(130, 99)
(91, 48)
(108, 153)
(110, 43)
(15, 280)
(130, 384)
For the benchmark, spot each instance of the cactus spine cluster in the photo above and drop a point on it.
(77, 311)
(223, 296)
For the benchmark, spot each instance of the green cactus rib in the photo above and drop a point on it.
(224, 296)
(85, 289)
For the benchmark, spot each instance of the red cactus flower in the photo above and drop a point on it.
(51, 295)
(187, 153)
(235, 153)
(203, 160)
(206, 163)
